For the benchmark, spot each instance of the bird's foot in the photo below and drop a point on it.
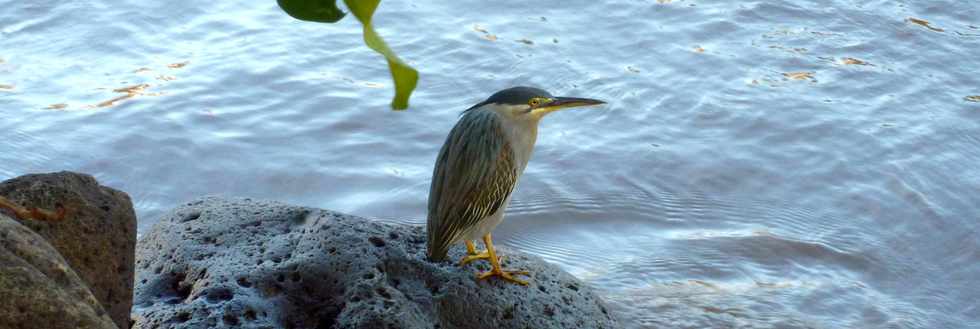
(471, 257)
(504, 275)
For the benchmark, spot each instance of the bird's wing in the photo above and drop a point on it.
(474, 174)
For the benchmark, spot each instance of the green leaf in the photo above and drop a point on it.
(326, 11)
(323, 11)
(405, 77)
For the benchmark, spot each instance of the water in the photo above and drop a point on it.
(761, 164)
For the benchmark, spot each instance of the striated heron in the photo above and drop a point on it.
(478, 167)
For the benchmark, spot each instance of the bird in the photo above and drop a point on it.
(478, 167)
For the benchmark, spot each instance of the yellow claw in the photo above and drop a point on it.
(504, 275)
(470, 258)
(472, 255)
(496, 270)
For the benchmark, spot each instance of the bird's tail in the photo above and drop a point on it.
(437, 254)
(436, 248)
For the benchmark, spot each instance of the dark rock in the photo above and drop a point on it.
(38, 288)
(255, 264)
(97, 238)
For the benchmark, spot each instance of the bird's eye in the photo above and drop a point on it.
(534, 102)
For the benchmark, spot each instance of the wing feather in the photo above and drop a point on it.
(473, 176)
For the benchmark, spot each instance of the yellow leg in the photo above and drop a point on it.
(472, 255)
(495, 263)
(470, 248)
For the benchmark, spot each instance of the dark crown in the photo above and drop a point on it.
(517, 95)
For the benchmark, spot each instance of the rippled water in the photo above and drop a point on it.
(761, 164)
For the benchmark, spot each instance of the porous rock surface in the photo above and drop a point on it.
(239, 263)
(38, 289)
(97, 238)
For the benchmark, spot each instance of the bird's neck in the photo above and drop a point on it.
(522, 135)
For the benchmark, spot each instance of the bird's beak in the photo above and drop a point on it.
(567, 102)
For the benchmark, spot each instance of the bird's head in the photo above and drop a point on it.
(528, 103)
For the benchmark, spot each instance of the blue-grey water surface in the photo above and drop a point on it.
(760, 164)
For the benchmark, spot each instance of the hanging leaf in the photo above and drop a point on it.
(323, 11)
(326, 11)
(405, 77)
